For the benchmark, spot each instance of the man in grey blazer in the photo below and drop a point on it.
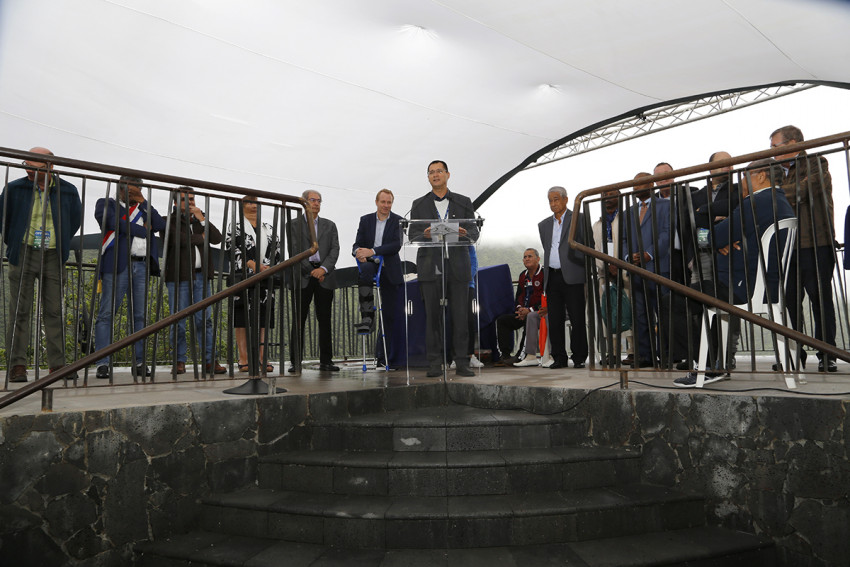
(440, 203)
(315, 276)
(563, 281)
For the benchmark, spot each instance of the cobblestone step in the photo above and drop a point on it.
(382, 522)
(694, 547)
(449, 473)
(448, 428)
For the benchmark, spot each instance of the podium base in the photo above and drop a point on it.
(253, 387)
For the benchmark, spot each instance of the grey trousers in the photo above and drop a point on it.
(21, 293)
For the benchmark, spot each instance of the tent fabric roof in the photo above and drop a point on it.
(348, 97)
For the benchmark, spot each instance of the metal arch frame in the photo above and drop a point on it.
(664, 118)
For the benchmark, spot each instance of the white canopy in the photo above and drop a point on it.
(350, 96)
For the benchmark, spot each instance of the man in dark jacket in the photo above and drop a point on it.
(808, 186)
(379, 235)
(188, 270)
(39, 214)
(437, 205)
(130, 256)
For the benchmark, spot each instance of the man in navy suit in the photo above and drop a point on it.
(564, 276)
(130, 257)
(646, 244)
(379, 234)
(766, 204)
(442, 204)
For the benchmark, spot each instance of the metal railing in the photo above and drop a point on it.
(680, 232)
(79, 293)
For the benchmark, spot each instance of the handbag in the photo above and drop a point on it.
(620, 317)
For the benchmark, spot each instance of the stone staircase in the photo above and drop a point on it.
(453, 485)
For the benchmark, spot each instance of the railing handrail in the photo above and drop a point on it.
(81, 363)
(687, 291)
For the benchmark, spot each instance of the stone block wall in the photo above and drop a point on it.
(777, 466)
(82, 488)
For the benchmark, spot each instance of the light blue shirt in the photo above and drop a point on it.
(380, 225)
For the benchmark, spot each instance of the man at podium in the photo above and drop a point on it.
(452, 213)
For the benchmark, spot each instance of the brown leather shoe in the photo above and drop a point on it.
(216, 368)
(18, 373)
(179, 368)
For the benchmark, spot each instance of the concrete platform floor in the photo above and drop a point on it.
(99, 394)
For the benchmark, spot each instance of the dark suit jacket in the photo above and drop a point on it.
(659, 249)
(705, 212)
(740, 225)
(299, 240)
(428, 257)
(390, 244)
(572, 262)
(110, 216)
(190, 241)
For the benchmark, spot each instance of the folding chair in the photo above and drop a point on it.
(759, 304)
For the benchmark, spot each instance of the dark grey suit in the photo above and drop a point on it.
(565, 293)
(458, 274)
(299, 240)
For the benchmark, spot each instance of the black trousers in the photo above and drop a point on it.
(563, 299)
(816, 268)
(506, 324)
(324, 302)
(458, 307)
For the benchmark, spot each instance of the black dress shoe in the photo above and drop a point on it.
(293, 369)
(434, 371)
(464, 371)
(559, 365)
(683, 365)
(578, 365)
(142, 370)
(103, 372)
(830, 365)
(328, 367)
(643, 363)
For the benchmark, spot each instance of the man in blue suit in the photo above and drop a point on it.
(646, 244)
(379, 234)
(130, 255)
(762, 205)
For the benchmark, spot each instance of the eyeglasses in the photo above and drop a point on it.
(29, 165)
(435, 171)
(314, 200)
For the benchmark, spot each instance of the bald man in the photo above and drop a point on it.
(40, 213)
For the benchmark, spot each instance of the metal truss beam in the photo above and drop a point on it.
(665, 118)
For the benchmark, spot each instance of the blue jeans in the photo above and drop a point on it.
(114, 290)
(203, 318)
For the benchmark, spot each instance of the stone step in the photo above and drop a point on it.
(382, 522)
(448, 428)
(694, 547)
(449, 473)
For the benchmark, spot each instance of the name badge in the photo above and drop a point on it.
(41, 239)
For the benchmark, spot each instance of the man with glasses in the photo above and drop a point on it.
(808, 186)
(527, 313)
(315, 279)
(442, 204)
(130, 255)
(40, 213)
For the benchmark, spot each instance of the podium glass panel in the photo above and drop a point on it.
(440, 302)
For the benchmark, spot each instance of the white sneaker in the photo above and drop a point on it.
(529, 360)
(547, 361)
(475, 363)
(452, 365)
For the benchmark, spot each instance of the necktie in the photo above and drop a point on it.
(643, 208)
